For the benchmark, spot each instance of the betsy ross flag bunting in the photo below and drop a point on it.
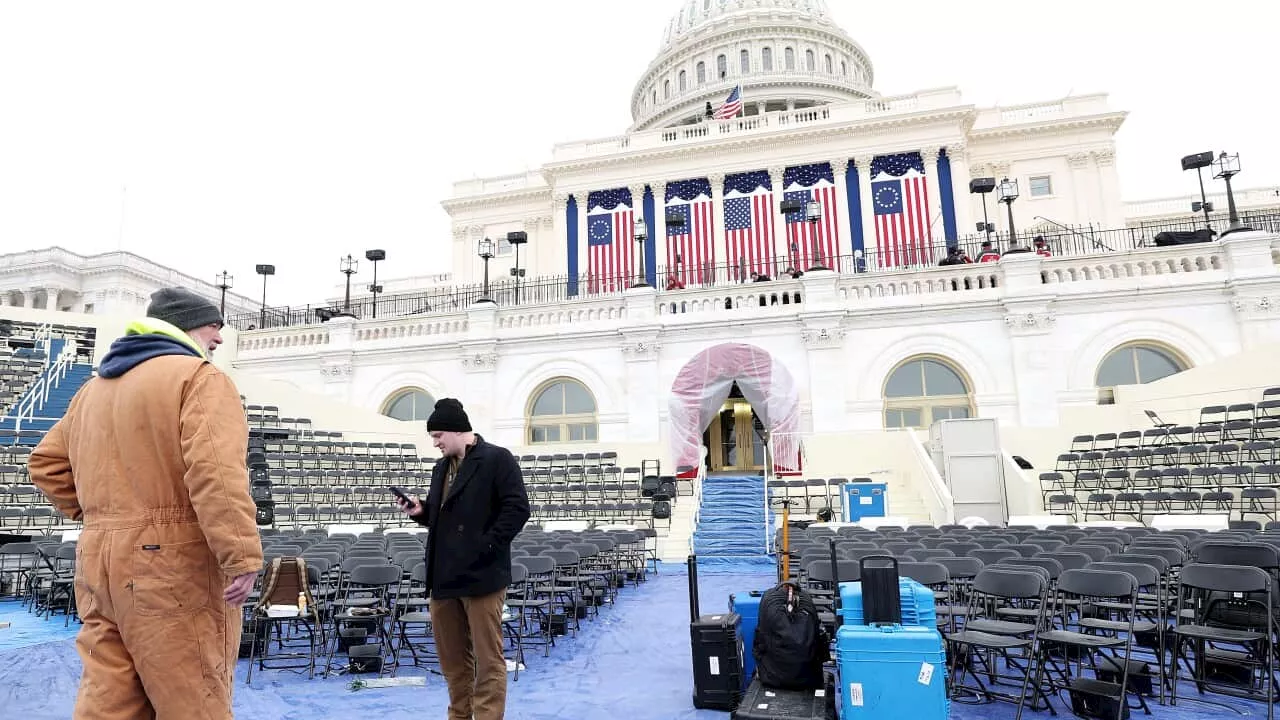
(812, 243)
(731, 107)
(900, 197)
(748, 225)
(691, 256)
(610, 244)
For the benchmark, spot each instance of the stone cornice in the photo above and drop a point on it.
(1055, 126)
(541, 194)
(872, 127)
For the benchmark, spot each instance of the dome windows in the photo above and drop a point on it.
(809, 63)
(701, 72)
(744, 62)
(789, 58)
(722, 66)
(766, 59)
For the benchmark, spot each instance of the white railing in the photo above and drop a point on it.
(43, 341)
(942, 508)
(38, 394)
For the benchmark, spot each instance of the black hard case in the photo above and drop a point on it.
(761, 703)
(717, 653)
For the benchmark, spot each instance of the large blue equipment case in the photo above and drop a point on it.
(891, 671)
(917, 602)
(747, 606)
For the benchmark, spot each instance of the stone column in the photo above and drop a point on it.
(965, 221)
(659, 229)
(844, 236)
(863, 164)
(776, 175)
(1110, 211)
(930, 157)
(719, 242)
(1080, 191)
(51, 298)
(555, 259)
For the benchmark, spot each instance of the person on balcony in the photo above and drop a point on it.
(988, 253)
(1041, 248)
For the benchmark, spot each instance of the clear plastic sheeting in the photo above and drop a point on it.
(703, 385)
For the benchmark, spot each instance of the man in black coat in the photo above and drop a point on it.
(476, 506)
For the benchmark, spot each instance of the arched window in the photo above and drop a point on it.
(844, 68)
(744, 61)
(562, 410)
(683, 83)
(766, 59)
(924, 389)
(1136, 364)
(409, 404)
(702, 72)
(666, 89)
(830, 68)
(789, 57)
(722, 66)
(808, 60)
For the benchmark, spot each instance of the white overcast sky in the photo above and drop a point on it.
(295, 132)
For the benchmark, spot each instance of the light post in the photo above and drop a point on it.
(813, 214)
(516, 238)
(1008, 193)
(348, 267)
(265, 271)
(374, 256)
(485, 251)
(641, 230)
(1199, 162)
(983, 186)
(225, 283)
(1225, 168)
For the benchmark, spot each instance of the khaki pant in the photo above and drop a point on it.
(158, 641)
(468, 635)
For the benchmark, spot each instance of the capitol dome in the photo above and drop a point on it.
(785, 54)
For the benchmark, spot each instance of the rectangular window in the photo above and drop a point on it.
(544, 433)
(1041, 186)
(504, 247)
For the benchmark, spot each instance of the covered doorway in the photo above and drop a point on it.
(735, 440)
(724, 402)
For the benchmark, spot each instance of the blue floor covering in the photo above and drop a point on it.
(633, 662)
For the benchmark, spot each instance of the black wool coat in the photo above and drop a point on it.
(469, 543)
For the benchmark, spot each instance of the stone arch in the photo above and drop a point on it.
(703, 384)
(963, 356)
(1089, 356)
(520, 396)
(396, 382)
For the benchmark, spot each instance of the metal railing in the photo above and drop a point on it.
(38, 394)
(1060, 241)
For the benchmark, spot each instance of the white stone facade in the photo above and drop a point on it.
(1027, 335)
(116, 283)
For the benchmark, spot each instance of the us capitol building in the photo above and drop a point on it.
(790, 255)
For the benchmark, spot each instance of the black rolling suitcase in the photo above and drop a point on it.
(717, 653)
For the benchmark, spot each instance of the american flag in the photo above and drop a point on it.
(901, 200)
(731, 107)
(691, 255)
(748, 225)
(808, 243)
(610, 241)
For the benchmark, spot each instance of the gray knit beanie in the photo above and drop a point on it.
(183, 309)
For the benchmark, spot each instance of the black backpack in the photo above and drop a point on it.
(790, 645)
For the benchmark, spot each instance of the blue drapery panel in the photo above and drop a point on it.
(571, 224)
(948, 192)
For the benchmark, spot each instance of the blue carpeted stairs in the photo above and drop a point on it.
(731, 518)
(59, 398)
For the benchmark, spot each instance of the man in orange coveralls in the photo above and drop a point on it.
(151, 456)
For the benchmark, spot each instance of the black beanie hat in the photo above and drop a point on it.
(183, 309)
(448, 417)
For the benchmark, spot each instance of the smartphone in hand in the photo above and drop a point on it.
(400, 494)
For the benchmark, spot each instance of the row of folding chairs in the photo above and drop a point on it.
(1141, 506)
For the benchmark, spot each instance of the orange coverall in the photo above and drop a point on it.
(154, 463)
